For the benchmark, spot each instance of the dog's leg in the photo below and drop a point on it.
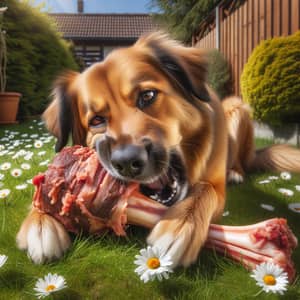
(183, 230)
(44, 238)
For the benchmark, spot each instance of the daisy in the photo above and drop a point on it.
(5, 166)
(286, 192)
(38, 144)
(2, 147)
(29, 181)
(34, 136)
(285, 175)
(49, 284)
(28, 156)
(270, 277)
(3, 259)
(297, 187)
(1, 176)
(295, 207)
(273, 177)
(28, 146)
(25, 166)
(16, 172)
(41, 153)
(4, 193)
(264, 181)
(267, 207)
(225, 213)
(44, 163)
(152, 263)
(21, 186)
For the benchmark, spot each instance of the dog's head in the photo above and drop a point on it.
(144, 109)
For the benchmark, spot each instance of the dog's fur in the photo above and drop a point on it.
(186, 117)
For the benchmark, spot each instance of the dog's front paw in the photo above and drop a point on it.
(44, 238)
(179, 236)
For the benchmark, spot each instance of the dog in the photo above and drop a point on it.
(152, 118)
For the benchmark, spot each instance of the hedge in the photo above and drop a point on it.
(36, 55)
(270, 81)
(219, 74)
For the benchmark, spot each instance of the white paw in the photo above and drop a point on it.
(45, 239)
(234, 177)
(178, 244)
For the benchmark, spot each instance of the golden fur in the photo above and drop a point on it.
(186, 116)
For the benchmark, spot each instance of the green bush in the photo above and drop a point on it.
(219, 75)
(36, 55)
(270, 81)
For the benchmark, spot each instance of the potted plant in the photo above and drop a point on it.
(9, 101)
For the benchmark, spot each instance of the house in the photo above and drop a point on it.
(95, 35)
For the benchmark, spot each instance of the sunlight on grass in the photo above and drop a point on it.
(103, 268)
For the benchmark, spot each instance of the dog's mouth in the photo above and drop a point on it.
(169, 187)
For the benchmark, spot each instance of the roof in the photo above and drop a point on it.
(103, 26)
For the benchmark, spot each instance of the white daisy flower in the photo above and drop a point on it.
(24, 135)
(264, 181)
(41, 153)
(2, 153)
(5, 166)
(297, 187)
(4, 193)
(16, 172)
(152, 263)
(295, 207)
(270, 277)
(226, 213)
(286, 192)
(2, 176)
(28, 156)
(29, 181)
(28, 146)
(34, 136)
(21, 186)
(25, 166)
(285, 175)
(3, 259)
(2, 147)
(49, 284)
(30, 127)
(38, 144)
(267, 207)
(44, 163)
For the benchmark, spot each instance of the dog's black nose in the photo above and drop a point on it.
(129, 160)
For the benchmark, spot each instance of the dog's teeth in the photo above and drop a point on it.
(154, 197)
(174, 184)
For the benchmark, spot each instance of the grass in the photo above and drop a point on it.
(103, 268)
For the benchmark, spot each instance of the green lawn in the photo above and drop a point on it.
(103, 268)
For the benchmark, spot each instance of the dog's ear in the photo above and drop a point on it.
(62, 117)
(186, 67)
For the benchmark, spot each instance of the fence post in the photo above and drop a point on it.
(218, 27)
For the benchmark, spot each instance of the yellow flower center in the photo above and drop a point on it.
(153, 263)
(269, 279)
(50, 287)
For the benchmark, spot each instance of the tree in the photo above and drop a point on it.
(182, 17)
(36, 54)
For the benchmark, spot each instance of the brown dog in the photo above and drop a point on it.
(151, 117)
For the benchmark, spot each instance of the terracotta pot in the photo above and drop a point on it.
(9, 103)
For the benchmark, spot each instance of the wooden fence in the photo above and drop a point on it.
(236, 28)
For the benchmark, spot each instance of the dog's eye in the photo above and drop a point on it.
(97, 121)
(146, 98)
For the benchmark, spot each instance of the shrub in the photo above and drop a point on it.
(36, 55)
(219, 75)
(270, 80)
